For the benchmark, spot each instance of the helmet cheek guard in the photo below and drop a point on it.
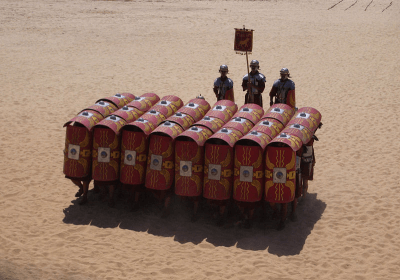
(223, 68)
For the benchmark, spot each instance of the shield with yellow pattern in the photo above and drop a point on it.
(248, 183)
(218, 164)
(78, 144)
(280, 112)
(223, 109)
(160, 169)
(119, 99)
(189, 161)
(280, 168)
(106, 149)
(308, 117)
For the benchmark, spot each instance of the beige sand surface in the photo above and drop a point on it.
(58, 57)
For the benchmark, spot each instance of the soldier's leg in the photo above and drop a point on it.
(275, 214)
(79, 184)
(85, 189)
(293, 215)
(111, 189)
(281, 224)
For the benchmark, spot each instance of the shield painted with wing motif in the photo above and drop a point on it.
(214, 124)
(280, 174)
(168, 105)
(189, 161)
(184, 120)
(223, 109)
(144, 102)
(119, 99)
(160, 169)
(271, 127)
(251, 112)
(280, 112)
(78, 144)
(196, 108)
(103, 107)
(308, 117)
(129, 114)
(241, 124)
(248, 183)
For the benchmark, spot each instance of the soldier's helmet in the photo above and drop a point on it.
(223, 68)
(255, 63)
(284, 71)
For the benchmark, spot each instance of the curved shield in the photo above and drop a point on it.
(228, 135)
(154, 117)
(189, 161)
(280, 174)
(298, 130)
(241, 124)
(144, 102)
(129, 114)
(103, 107)
(218, 169)
(115, 123)
(87, 118)
(291, 98)
(251, 112)
(223, 109)
(168, 105)
(271, 127)
(248, 172)
(105, 154)
(280, 112)
(184, 120)
(119, 99)
(230, 95)
(160, 162)
(196, 108)
(292, 141)
(78, 144)
(134, 148)
(308, 117)
(214, 124)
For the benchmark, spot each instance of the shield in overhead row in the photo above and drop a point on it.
(281, 112)
(119, 99)
(134, 143)
(78, 144)
(107, 135)
(307, 117)
(160, 171)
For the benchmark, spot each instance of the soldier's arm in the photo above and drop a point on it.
(216, 91)
(244, 84)
(272, 93)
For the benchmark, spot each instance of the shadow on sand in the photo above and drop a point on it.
(263, 234)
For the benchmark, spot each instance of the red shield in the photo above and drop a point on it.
(160, 162)
(229, 95)
(196, 108)
(78, 144)
(298, 130)
(271, 127)
(103, 107)
(280, 112)
(251, 112)
(168, 105)
(280, 174)
(189, 161)
(105, 155)
(214, 124)
(291, 98)
(129, 114)
(243, 40)
(223, 109)
(119, 99)
(184, 120)
(112, 122)
(144, 102)
(241, 124)
(308, 117)
(227, 135)
(248, 172)
(134, 148)
(153, 117)
(218, 169)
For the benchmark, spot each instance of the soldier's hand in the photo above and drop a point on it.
(271, 103)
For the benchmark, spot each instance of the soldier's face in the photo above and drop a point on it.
(284, 76)
(253, 68)
(223, 73)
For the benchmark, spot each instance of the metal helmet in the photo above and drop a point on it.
(285, 71)
(223, 68)
(255, 63)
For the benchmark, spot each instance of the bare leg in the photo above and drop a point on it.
(275, 214)
(79, 184)
(85, 188)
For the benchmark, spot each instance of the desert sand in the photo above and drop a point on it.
(59, 57)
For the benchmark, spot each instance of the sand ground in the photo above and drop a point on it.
(58, 57)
